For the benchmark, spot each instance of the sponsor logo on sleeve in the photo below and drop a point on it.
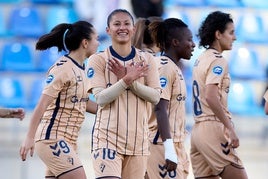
(49, 79)
(90, 72)
(163, 82)
(217, 70)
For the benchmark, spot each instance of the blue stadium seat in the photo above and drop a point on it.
(47, 58)
(36, 89)
(3, 24)
(250, 28)
(25, 22)
(188, 3)
(241, 99)
(60, 14)
(245, 64)
(228, 3)
(262, 4)
(12, 93)
(10, 1)
(52, 2)
(17, 57)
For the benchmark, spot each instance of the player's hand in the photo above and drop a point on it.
(233, 139)
(170, 166)
(170, 155)
(17, 113)
(117, 68)
(27, 146)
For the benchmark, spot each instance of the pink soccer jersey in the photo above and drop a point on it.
(209, 68)
(121, 125)
(67, 82)
(173, 90)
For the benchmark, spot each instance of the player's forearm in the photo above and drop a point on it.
(4, 113)
(107, 95)
(162, 119)
(216, 107)
(145, 92)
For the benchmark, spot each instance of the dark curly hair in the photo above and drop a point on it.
(216, 20)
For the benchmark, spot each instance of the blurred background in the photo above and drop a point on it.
(22, 69)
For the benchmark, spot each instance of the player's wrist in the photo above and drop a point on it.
(170, 152)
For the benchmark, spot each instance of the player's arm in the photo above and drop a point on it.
(266, 107)
(164, 129)
(162, 119)
(213, 100)
(145, 92)
(91, 107)
(12, 113)
(265, 96)
(38, 112)
(107, 95)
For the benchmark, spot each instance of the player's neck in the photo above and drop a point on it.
(122, 50)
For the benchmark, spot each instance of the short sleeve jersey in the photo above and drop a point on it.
(66, 81)
(209, 68)
(174, 90)
(121, 125)
(265, 96)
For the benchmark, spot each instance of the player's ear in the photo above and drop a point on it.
(217, 35)
(84, 43)
(107, 30)
(175, 42)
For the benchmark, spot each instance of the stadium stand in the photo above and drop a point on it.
(25, 21)
(241, 99)
(12, 93)
(17, 57)
(250, 28)
(246, 64)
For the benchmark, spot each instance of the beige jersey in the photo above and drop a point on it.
(121, 125)
(173, 90)
(66, 82)
(265, 96)
(209, 68)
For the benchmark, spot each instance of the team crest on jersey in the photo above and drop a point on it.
(90, 72)
(217, 70)
(163, 82)
(49, 79)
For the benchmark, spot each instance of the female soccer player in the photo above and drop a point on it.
(175, 41)
(120, 133)
(213, 139)
(58, 116)
(142, 38)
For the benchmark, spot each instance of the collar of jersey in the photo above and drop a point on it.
(77, 64)
(129, 57)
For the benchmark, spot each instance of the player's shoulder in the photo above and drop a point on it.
(144, 53)
(213, 54)
(164, 60)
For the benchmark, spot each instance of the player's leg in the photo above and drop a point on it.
(77, 173)
(134, 167)
(61, 159)
(107, 163)
(232, 172)
(198, 153)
